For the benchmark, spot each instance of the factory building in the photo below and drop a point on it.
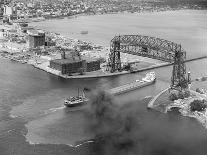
(91, 64)
(36, 38)
(69, 65)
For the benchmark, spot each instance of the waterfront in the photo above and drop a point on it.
(35, 95)
(35, 99)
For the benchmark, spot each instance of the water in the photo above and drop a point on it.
(36, 98)
(186, 27)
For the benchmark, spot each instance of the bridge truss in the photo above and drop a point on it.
(150, 47)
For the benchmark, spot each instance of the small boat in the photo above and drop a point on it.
(84, 32)
(75, 101)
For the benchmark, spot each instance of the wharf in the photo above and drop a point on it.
(98, 74)
(94, 74)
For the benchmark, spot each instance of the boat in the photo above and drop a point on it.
(84, 32)
(74, 101)
(150, 78)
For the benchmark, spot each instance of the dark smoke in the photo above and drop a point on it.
(130, 130)
(113, 126)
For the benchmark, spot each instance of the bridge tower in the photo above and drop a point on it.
(114, 57)
(179, 79)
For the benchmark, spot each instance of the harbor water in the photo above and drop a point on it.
(31, 100)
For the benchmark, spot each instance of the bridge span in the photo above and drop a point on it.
(150, 47)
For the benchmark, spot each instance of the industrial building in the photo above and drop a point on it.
(36, 38)
(91, 64)
(67, 66)
(71, 65)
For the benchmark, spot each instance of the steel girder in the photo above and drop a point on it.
(114, 57)
(179, 79)
(151, 47)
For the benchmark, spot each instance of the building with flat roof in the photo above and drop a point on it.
(91, 64)
(74, 64)
(36, 38)
(67, 66)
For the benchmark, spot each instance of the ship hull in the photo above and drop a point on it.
(75, 104)
(130, 87)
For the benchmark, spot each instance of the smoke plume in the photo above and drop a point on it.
(113, 126)
(132, 130)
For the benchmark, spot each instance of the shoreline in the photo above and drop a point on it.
(100, 48)
(102, 51)
(182, 104)
(97, 75)
(30, 20)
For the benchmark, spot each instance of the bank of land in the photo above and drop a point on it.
(163, 103)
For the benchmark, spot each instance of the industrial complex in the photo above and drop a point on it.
(70, 65)
(26, 44)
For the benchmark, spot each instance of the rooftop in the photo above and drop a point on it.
(36, 32)
(65, 61)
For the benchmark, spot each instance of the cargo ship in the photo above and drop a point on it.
(74, 101)
(150, 78)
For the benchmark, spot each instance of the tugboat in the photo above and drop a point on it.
(75, 101)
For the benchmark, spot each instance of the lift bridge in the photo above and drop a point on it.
(150, 47)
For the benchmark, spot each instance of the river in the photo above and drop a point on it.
(34, 98)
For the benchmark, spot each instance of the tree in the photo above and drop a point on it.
(186, 94)
(198, 105)
(179, 95)
(184, 83)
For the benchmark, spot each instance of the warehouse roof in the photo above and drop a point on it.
(65, 61)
